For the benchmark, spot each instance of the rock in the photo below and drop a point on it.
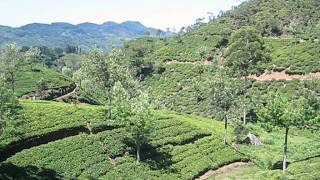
(279, 165)
(252, 139)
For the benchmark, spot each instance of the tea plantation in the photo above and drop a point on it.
(176, 148)
(27, 80)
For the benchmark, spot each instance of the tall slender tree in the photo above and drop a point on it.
(223, 96)
(98, 74)
(134, 112)
(284, 112)
(10, 60)
(33, 57)
(246, 50)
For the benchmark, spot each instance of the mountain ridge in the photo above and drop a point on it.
(85, 35)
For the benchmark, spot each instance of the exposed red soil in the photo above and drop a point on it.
(268, 76)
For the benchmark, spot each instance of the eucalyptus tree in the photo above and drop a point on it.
(135, 114)
(286, 113)
(33, 57)
(10, 60)
(8, 106)
(246, 50)
(223, 93)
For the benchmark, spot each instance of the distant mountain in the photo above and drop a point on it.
(85, 35)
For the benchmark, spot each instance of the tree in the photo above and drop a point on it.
(245, 51)
(199, 69)
(10, 60)
(223, 96)
(98, 74)
(284, 112)
(134, 112)
(42, 85)
(33, 57)
(8, 106)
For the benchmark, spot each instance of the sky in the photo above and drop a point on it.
(152, 13)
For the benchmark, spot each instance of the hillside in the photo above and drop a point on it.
(175, 150)
(85, 35)
(179, 147)
(291, 38)
(235, 98)
(28, 80)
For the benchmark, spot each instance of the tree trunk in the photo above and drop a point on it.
(110, 104)
(12, 83)
(244, 103)
(138, 148)
(285, 150)
(225, 129)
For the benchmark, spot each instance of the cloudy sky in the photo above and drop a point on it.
(153, 13)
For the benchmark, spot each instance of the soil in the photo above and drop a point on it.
(65, 96)
(268, 76)
(205, 62)
(223, 171)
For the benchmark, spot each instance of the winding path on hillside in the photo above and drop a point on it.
(267, 76)
(273, 75)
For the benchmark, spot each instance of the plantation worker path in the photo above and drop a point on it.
(205, 62)
(66, 95)
(223, 171)
(268, 76)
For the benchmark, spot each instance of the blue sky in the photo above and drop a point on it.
(153, 13)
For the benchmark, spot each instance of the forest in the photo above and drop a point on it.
(237, 97)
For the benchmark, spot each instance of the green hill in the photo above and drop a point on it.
(27, 79)
(290, 29)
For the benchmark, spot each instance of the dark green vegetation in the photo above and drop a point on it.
(85, 35)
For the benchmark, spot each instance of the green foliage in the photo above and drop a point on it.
(38, 118)
(33, 57)
(108, 155)
(27, 80)
(245, 51)
(282, 112)
(9, 110)
(135, 114)
(10, 60)
(295, 58)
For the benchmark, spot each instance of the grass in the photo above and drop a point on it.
(27, 79)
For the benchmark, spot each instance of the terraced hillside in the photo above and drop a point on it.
(177, 148)
(28, 80)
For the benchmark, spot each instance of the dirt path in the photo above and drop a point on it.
(66, 95)
(205, 62)
(223, 171)
(268, 76)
